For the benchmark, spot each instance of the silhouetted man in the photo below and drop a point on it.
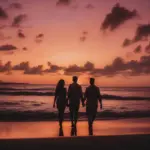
(92, 95)
(74, 97)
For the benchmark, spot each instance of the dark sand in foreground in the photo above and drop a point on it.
(123, 142)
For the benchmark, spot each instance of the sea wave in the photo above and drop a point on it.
(26, 89)
(9, 103)
(104, 96)
(13, 115)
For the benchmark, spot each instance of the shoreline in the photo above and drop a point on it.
(53, 116)
(79, 120)
(104, 96)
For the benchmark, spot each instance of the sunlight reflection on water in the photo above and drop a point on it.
(51, 129)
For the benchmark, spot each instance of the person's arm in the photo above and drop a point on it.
(68, 94)
(81, 96)
(85, 96)
(100, 98)
(55, 98)
(66, 97)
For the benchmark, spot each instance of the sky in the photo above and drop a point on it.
(42, 41)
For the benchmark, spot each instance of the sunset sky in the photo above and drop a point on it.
(42, 41)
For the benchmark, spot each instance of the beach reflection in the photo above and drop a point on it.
(51, 129)
(61, 132)
(90, 130)
(73, 131)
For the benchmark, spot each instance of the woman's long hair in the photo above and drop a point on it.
(60, 85)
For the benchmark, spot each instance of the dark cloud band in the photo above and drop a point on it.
(7, 47)
(118, 15)
(118, 67)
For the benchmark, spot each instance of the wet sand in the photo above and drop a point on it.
(46, 129)
(122, 134)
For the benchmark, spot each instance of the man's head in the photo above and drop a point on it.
(92, 81)
(75, 79)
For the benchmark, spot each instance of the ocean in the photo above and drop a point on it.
(30, 101)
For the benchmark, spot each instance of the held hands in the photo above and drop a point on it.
(67, 104)
(101, 106)
(54, 102)
(83, 104)
(54, 105)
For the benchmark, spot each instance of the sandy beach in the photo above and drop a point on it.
(124, 142)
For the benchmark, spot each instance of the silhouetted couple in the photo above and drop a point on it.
(72, 100)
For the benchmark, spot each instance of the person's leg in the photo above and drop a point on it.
(60, 117)
(75, 130)
(71, 115)
(89, 115)
(76, 114)
(61, 133)
(90, 122)
(94, 114)
(93, 117)
(90, 130)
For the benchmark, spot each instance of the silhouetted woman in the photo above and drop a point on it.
(60, 100)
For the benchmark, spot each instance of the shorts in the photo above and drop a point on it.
(91, 110)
